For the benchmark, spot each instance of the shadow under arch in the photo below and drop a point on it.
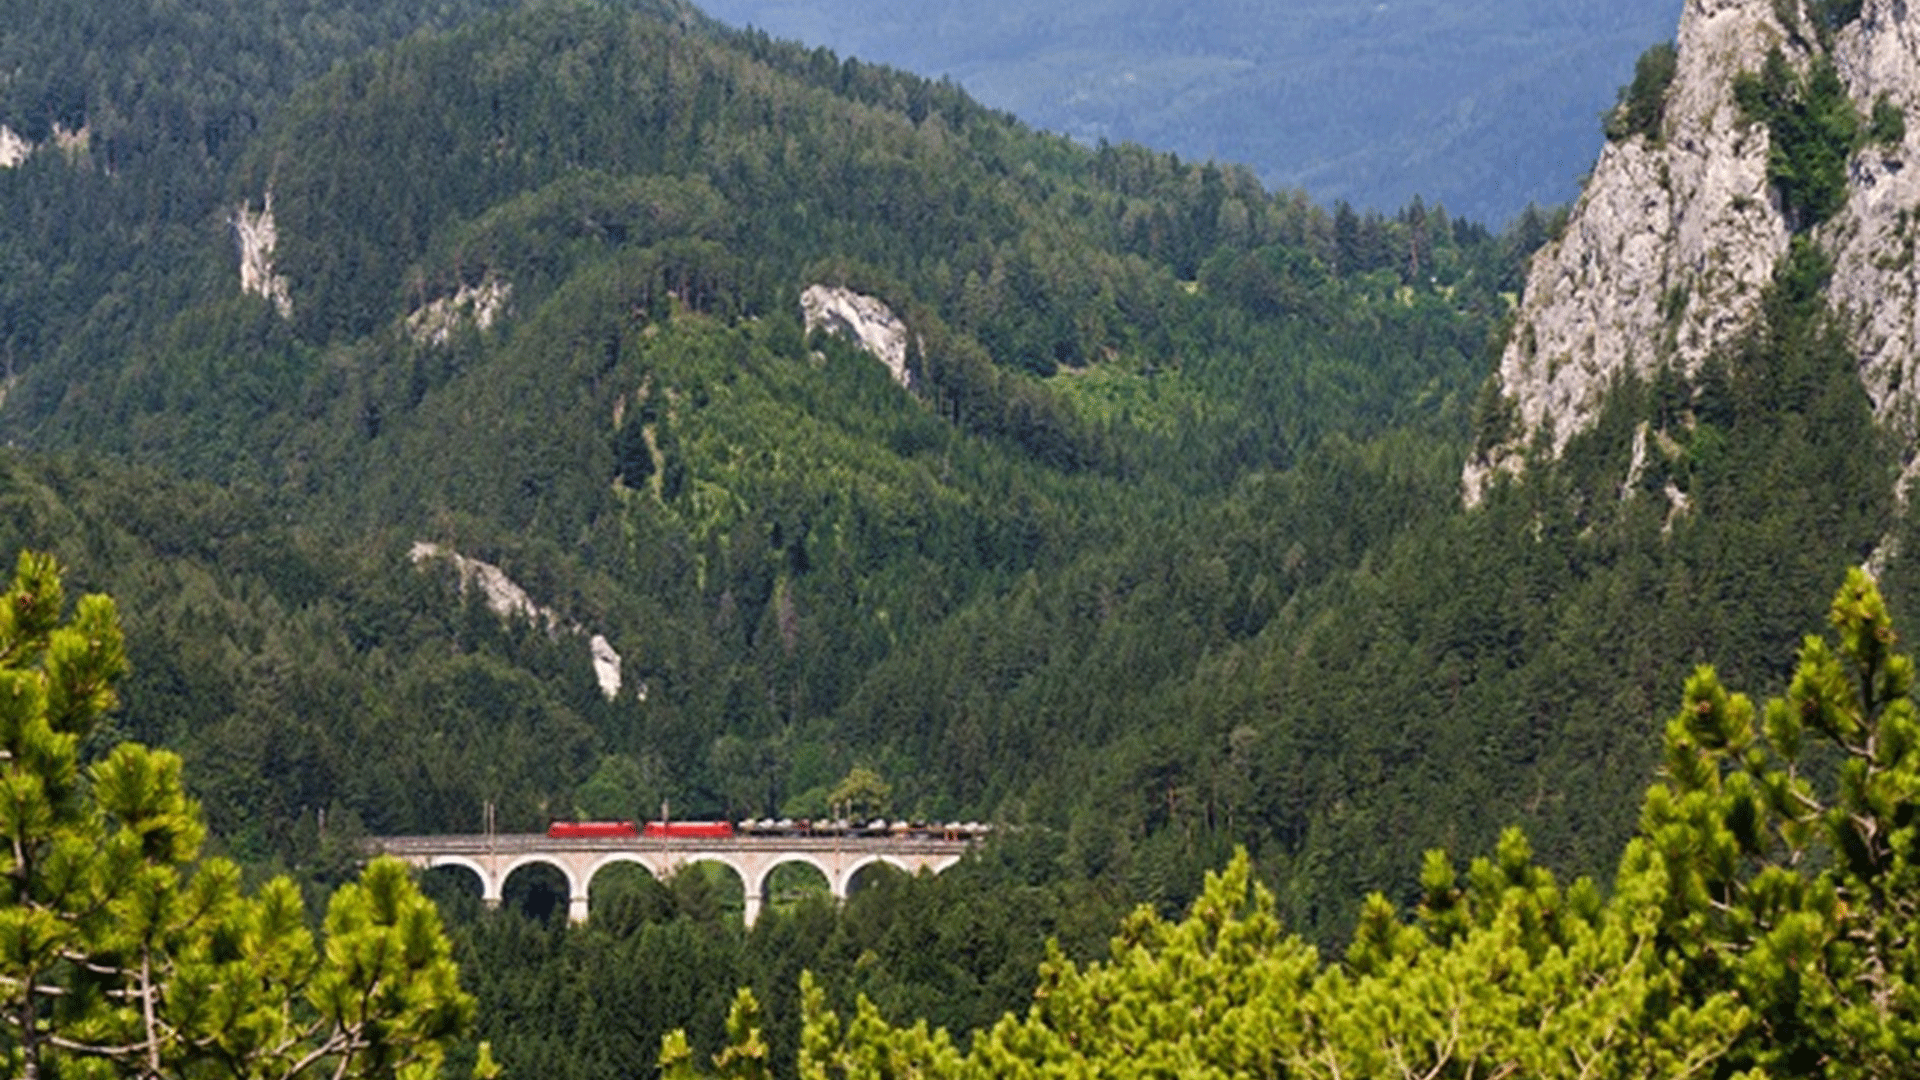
(794, 881)
(623, 895)
(458, 889)
(708, 890)
(536, 888)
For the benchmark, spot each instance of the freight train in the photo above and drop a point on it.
(765, 827)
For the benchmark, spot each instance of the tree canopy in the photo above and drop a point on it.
(1762, 922)
(124, 953)
(1161, 553)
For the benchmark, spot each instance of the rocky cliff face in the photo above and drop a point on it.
(257, 236)
(1678, 232)
(1873, 238)
(870, 324)
(13, 148)
(482, 305)
(505, 598)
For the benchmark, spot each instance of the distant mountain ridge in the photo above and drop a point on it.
(1481, 107)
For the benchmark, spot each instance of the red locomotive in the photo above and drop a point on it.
(688, 830)
(591, 830)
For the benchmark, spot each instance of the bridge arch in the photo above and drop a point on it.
(574, 894)
(867, 862)
(763, 873)
(696, 864)
(625, 890)
(618, 858)
(762, 887)
(489, 885)
(575, 886)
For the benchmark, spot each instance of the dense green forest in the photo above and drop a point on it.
(128, 953)
(1162, 556)
(1760, 923)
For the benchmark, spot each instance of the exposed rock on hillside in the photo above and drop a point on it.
(482, 304)
(1873, 238)
(13, 148)
(75, 142)
(257, 238)
(1678, 232)
(505, 598)
(1665, 254)
(606, 666)
(871, 324)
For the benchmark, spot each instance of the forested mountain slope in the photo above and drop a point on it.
(649, 443)
(154, 101)
(1162, 553)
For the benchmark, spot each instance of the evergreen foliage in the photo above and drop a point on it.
(1834, 15)
(1642, 107)
(1162, 557)
(124, 954)
(956, 950)
(1814, 131)
(1888, 125)
(1760, 924)
(784, 519)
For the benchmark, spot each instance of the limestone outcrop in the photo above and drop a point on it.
(257, 237)
(870, 323)
(73, 142)
(14, 150)
(1677, 234)
(1873, 238)
(505, 598)
(482, 305)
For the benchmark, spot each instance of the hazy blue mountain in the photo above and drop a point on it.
(1483, 105)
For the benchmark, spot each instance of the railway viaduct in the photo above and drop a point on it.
(493, 857)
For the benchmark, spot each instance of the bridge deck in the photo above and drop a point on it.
(529, 843)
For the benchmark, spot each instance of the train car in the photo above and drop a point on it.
(898, 830)
(688, 830)
(591, 830)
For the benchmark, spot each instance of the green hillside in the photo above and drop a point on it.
(1163, 555)
(650, 442)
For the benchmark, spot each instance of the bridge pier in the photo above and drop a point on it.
(577, 909)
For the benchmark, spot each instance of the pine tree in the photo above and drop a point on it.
(1765, 923)
(1791, 837)
(123, 953)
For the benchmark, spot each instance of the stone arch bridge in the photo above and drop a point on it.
(493, 857)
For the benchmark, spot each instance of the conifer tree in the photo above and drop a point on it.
(1790, 837)
(1765, 922)
(124, 953)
